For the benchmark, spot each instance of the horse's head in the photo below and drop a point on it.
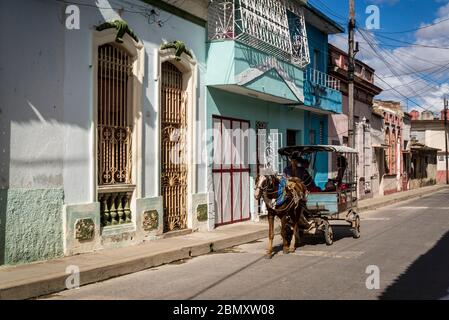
(263, 184)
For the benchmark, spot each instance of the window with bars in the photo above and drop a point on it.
(114, 116)
(114, 126)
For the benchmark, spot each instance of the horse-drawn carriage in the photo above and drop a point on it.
(338, 199)
(307, 207)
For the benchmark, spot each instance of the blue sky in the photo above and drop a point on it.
(395, 15)
(414, 71)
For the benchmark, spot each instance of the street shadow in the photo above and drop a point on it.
(426, 278)
(340, 232)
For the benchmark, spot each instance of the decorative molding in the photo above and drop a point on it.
(201, 212)
(150, 220)
(84, 229)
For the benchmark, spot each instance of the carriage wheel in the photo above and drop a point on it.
(328, 234)
(356, 229)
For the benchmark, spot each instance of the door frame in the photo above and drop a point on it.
(231, 171)
(189, 68)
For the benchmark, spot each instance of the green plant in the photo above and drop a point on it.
(122, 28)
(179, 47)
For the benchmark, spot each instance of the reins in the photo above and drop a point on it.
(285, 208)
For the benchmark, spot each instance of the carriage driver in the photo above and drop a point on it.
(298, 168)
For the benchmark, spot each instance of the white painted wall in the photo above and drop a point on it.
(31, 94)
(435, 139)
(46, 93)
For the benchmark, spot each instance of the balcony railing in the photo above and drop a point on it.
(272, 26)
(322, 79)
(115, 204)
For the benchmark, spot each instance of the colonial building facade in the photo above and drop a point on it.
(266, 88)
(130, 126)
(431, 132)
(397, 149)
(368, 123)
(99, 127)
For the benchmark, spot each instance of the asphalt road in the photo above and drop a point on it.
(408, 242)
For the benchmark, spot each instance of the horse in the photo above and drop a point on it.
(290, 212)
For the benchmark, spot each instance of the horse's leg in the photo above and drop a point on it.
(300, 213)
(294, 242)
(270, 234)
(285, 236)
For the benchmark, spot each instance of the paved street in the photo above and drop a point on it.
(409, 242)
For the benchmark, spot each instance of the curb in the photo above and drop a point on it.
(57, 282)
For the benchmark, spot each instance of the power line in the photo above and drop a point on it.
(380, 44)
(418, 105)
(411, 30)
(423, 78)
(330, 11)
(146, 12)
(413, 44)
(382, 58)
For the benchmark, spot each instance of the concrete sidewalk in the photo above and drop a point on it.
(41, 278)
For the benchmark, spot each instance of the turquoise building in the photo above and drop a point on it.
(267, 87)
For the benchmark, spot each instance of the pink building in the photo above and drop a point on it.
(368, 124)
(397, 156)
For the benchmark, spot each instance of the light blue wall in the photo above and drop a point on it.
(280, 117)
(228, 104)
(228, 59)
(322, 98)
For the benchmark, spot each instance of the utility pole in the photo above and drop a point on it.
(446, 103)
(351, 69)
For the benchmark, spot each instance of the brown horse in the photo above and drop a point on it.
(290, 212)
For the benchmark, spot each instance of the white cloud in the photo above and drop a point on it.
(405, 60)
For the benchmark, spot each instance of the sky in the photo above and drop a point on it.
(410, 50)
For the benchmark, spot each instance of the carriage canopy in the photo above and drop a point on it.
(288, 151)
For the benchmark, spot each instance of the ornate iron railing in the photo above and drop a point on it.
(114, 155)
(276, 27)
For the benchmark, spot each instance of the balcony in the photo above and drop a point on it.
(258, 50)
(322, 79)
(322, 91)
(271, 26)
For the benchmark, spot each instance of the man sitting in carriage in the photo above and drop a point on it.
(298, 168)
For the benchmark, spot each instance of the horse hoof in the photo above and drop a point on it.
(292, 250)
(286, 251)
(268, 256)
